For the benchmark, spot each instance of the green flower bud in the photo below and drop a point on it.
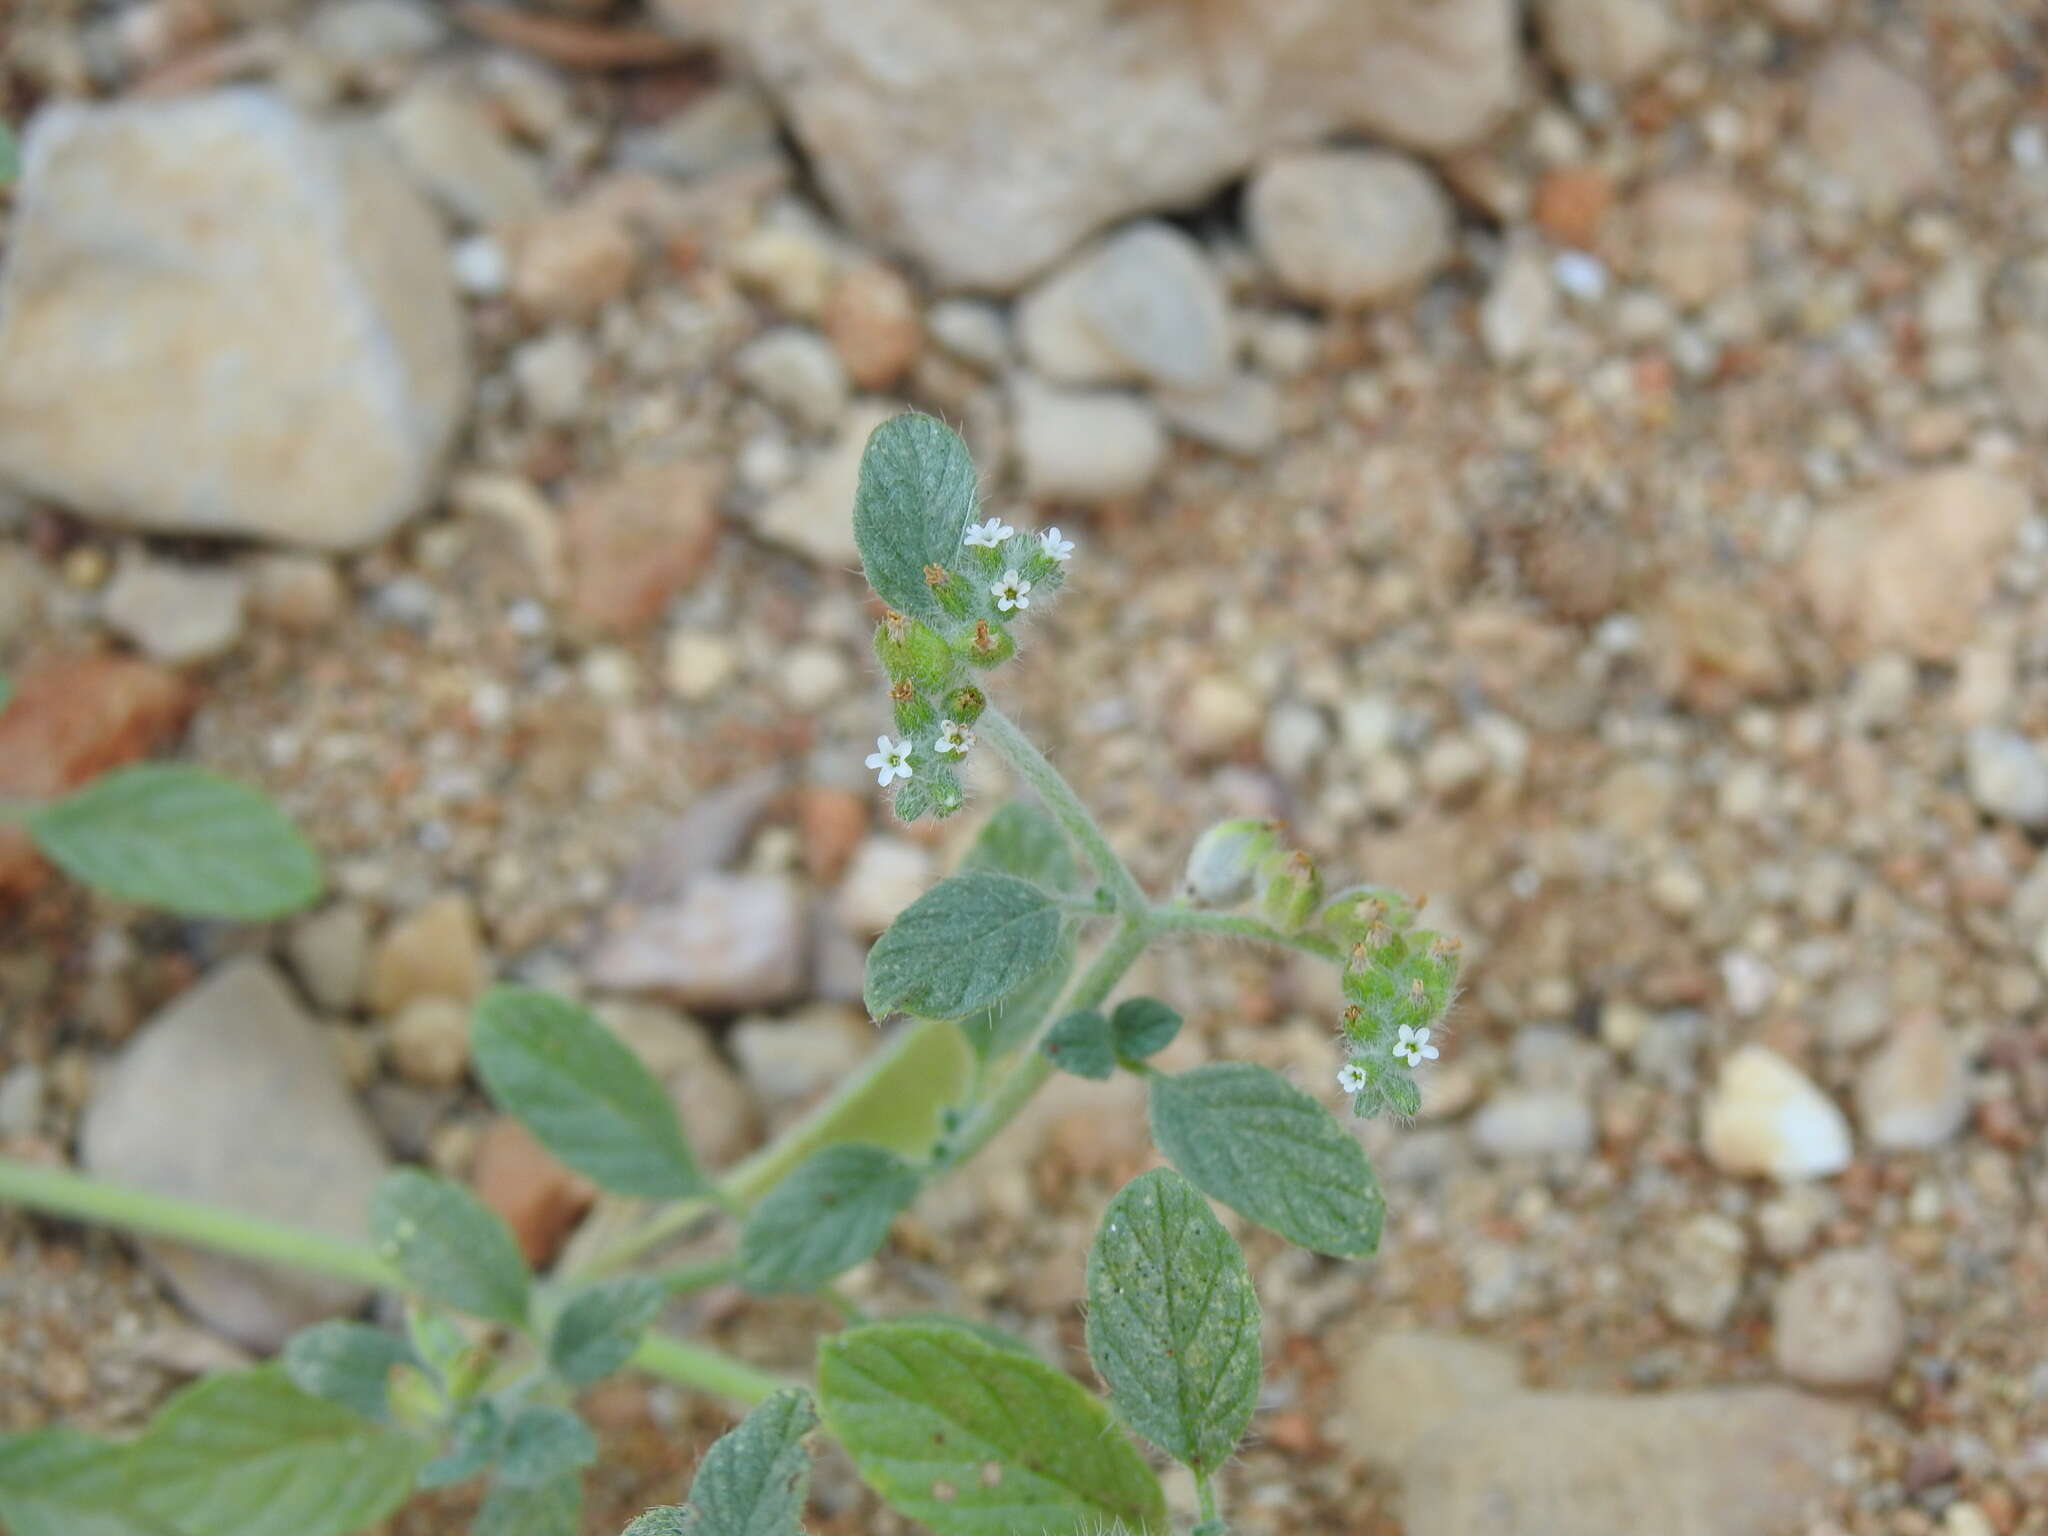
(935, 791)
(985, 645)
(966, 704)
(914, 713)
(951, 591)
(913, 652)
(1352, 913)
(1291, 889)
(1225, 859)
(1398, 979)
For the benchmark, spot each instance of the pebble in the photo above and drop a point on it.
(117, 249)
(1345, 228)
(1837, 1321)
(1696, 232)
(2007, 775)
(1441, 1417)
(1532, 1123)
(814, 515)
(568, 264)
(330, 952)
(1915, 1093)
(539, 1198)
(1911, 566)
(435, 950)
(791, 1062)
(366, 37)
(797, 371)
(729, 942)
(1702, 1266)
(22, 1090)
(176, 613)
(302, 594)
(1142, 307)
(1085, 445)
(886, 875)
(555, 374)
(1876, 129)
(1610, 42)
(1218, 714)
(872, 318)
(1790, 1221)
(449, 140)
(1765, 1118)
(972, 330)
(698, 664)
(1520, 304)
(789, 268)
(1241, 418)
(429, 1042)
(636, 540)
(1296, 736)
(727, 126)
(231, 1096)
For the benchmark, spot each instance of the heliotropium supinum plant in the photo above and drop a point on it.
(1005, 974)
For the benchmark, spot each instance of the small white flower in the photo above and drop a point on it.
(1010, 592)
(1412, 1045)
(1351, 1077)
(954, 738)
(890, 760)
(990, 534)
(1058, 548)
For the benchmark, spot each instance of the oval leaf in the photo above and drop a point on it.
(1081, 1043)
(553, 1509)
(1024, 841)
(249, 1452)
(57, 1482)
(966, 944)
(973, 1440)
(583, 1094)
(346, 1363)
(1173, 1323)
(1143, 1026)
(916, 496)
(599, 1330)
(996, 1031)
(753, 1479)
(1250, 1138)
(181, 839)
(825, 1218)
(542, 1445)
(450, 1245)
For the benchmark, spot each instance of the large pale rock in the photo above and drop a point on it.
(985, 139)
(220, 317)
(1476, 1457)
(230, 1096)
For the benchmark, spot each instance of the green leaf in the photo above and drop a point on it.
(996, 1031)
(601, 1327)
(669, 1520)
(542, 1445)
(1173, 1323)
(6, 683)
(825, 1218)
(57, 1482)
(753, 1479)
(583, 1094)
(1248, 1137)
(183, 840)
(473, 1440)
(346, 1363)
(10, 156)
(1142, 1026)
(988, 1333)
(250, 1453)
(973, 1440)
(1024, 841)
(553, 1509)
(454, 1248)
(1081, 1043)
(964, 945)
(916, 496)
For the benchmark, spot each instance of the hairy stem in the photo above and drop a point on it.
(1170, 919)
(692, 1365)
(60, 1192)
(1205, 1492)
(684, 1278)
(1059, 798)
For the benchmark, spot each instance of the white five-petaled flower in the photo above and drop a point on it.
(1351, 1077)
(1412, 1045)
(989, 534)
(954, 738)
(1012, 591)
(890, 760)
(1058, 548)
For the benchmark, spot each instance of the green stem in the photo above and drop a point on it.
(1058, 795)
(685, 1278)
(60, 1192)
(1177, 919)
(1205, 1492)
(692, 1365)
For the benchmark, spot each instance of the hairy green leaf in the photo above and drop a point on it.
(1173, 1324)
(1081, 1043)
(473, 1441)
(181, 839)
(552, 1509)
(57, 1482)
(601, 1327)
(583, 1094)
(828, 1216)
(1024, 841)
(753, 1479)
(996, 1031)
(248, 1452)
(916, 496)
(10, 156)
(1142, 1026)
(965, 945)
(1248, 1137)
(669, 1520)
(346, 1363)
(542, 1445)
(974, 1440)
(454, 1248)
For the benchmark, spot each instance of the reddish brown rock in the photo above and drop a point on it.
(520, 1179)
(636, 540)
(872, 319)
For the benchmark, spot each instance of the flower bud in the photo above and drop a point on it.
(986, 645)
(914, 713)
(966, 704)
(1291, 889)
(913, 652)
(1225, 859)
(950, 590)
